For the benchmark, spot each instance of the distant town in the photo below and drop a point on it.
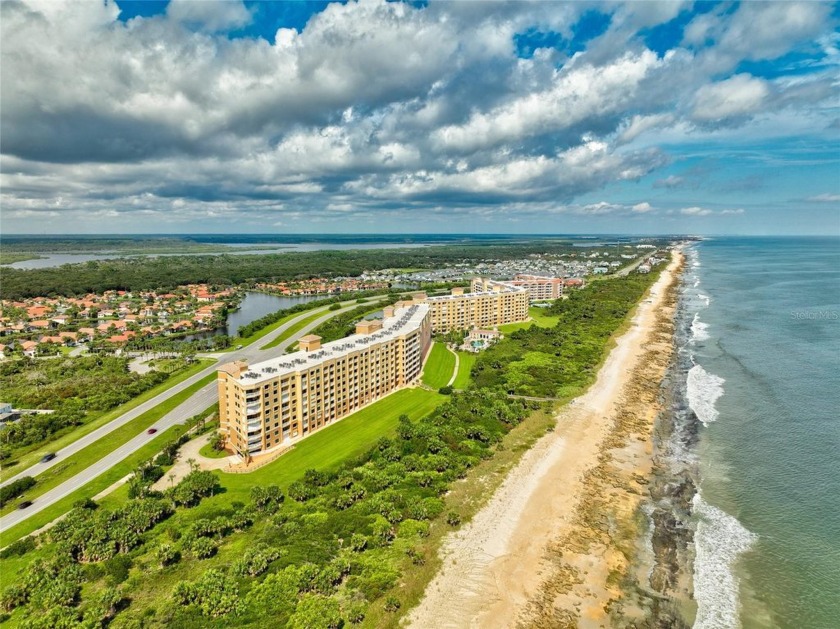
(109, 321)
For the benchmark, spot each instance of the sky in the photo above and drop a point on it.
(195, 116)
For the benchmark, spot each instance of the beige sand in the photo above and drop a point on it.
(495, 566)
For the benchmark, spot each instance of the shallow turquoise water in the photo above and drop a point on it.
(769, 325)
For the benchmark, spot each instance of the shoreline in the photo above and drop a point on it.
(532, 555)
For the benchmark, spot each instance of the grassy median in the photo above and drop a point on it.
(31, 458)
(80, 460)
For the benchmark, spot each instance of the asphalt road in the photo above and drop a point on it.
(196, 403)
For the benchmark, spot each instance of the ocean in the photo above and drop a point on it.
(761, 352)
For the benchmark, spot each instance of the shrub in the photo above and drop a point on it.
(358, 542)
(164, 459)
(447, 390)
(215, 594)
(117, 568)
(266, 498)
(392, 604)
(13, 596)
(195, 486)
(356, 613)
(255, 561)
(316, 611)
(18, 548)
(167, 555)
(15, 489)
(203, 548)
(453, 519)
(300, 491)
(86, 503)
(416, 557)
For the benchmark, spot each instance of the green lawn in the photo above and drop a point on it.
(95, 451)
(207, 450)
(34, 455)
(466, 360)
(297, 327)
(440, 365)
(331, 446)
(538, 316)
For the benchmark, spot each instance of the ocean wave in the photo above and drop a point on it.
(698, 329)
(706, 299)
(718, 541)
(702, 391)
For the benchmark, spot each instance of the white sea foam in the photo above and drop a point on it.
(718, 541)
(703, 390)
(698, 329)
(706, 299)
(696, 283)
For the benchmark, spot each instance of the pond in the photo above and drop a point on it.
(256, 305)
(252, 307)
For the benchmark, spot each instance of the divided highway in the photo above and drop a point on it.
(196, 403)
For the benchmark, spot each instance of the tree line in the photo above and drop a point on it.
(134, 274)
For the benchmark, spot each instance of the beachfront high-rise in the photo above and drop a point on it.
(490, 303)
(265, 405)
(540, 288)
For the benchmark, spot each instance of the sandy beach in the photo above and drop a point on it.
(552, 545)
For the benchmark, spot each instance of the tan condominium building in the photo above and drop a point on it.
(490, 303)
(540, 288)
(268, 404)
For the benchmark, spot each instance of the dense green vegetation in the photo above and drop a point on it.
(558, 361)
(167, 273)
(75, 388)
(8, 257)
(439, 367)
(325, 535)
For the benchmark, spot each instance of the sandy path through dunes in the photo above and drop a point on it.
(492, 566)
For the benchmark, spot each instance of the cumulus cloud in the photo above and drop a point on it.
(730, 100)
(372, 107)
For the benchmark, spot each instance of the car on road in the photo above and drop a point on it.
(48, 457)
(239, 347)
(24, 504)
(151, 431)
